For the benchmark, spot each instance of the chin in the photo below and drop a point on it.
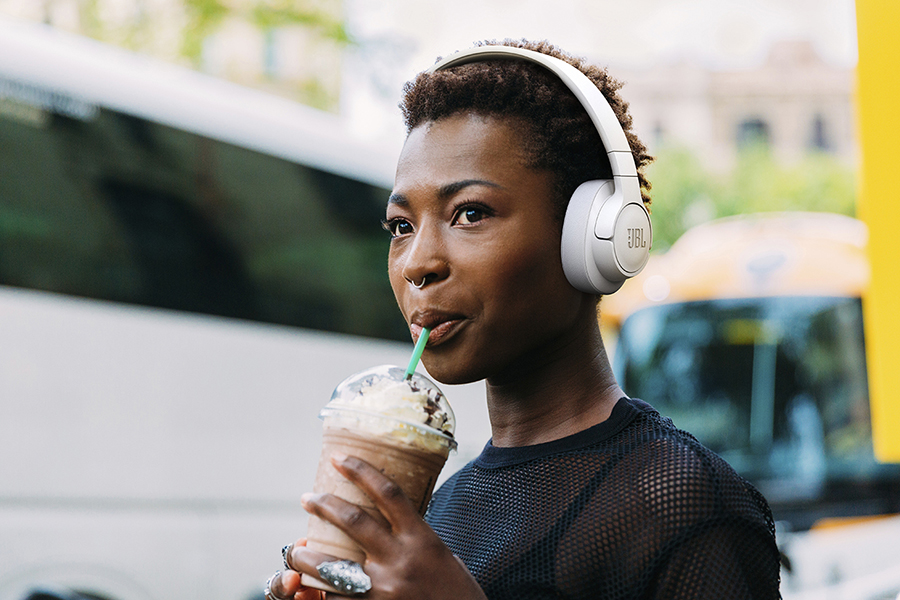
(452, 375)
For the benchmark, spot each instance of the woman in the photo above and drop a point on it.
(582, 492)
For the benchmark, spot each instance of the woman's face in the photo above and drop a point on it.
(468, 217)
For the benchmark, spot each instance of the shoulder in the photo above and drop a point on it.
(669, 469)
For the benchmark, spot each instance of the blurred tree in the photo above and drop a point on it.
(686, 194)
(178, 30)
(321, 23)
(682, 190)
(205, 16)
(759, 183)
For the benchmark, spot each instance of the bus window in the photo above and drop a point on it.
(111, 206)
(777, 386)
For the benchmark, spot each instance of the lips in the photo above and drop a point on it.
(442, 326)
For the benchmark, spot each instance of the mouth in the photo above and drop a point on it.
(442, 326)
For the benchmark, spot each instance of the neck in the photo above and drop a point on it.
(569, 390)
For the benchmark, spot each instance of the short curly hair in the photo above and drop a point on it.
(559, 137)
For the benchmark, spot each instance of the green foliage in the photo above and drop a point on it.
(206, 15)
(679, 182)
(203, 18)
(88, 14)
(686, 194)
(281, 13)
(312, 93)
(132, 35)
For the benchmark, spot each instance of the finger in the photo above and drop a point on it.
(305, 560)
(282, 586)
(336, 576)
(366, 527)
(384, 492)
(287, 586)
(286, 553)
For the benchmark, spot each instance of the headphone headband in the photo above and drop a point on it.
(598, 109)
(606, 233)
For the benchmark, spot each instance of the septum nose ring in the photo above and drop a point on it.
(418, 286)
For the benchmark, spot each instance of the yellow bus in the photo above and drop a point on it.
(748, 333)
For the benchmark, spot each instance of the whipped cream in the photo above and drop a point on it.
(382, 401)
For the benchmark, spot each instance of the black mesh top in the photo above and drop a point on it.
(630, 508)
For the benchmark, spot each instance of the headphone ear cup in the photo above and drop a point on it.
(605, 239)
(578, 261)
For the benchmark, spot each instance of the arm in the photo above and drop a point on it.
(729, 559)
(713, 534)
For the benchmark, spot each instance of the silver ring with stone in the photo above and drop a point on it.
(267, 591)
(345, 576)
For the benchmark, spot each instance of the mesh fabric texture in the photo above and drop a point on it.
(630, 508)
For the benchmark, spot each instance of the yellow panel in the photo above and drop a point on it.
(878, 26)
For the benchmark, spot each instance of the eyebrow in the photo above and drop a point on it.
(447, 190)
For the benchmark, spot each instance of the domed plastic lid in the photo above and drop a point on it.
(384, 392)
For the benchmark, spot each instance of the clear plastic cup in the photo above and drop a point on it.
(402, 427)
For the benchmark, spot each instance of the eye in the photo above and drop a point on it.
(470, 214)
(397, 227)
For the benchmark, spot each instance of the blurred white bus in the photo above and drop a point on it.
(187, 268)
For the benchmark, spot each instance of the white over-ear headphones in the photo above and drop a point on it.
(606, 233)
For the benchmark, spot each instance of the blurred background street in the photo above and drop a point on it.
(191, 259)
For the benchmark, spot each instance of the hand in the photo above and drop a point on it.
(404, 557)
(285, 585)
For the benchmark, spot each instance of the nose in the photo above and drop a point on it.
(425, 260)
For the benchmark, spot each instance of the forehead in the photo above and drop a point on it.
(465, 146)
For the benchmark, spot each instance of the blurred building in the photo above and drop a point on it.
(793, 103)
(292, 49)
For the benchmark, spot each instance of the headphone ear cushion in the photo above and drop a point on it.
(605, 239)
(577, 255)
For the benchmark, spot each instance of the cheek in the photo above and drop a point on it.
(538, 297)
(526, 275)
(398, 283)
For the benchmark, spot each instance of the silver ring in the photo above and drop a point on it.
(418, 286)
(285, 555)
(345, 576)
(267, 591)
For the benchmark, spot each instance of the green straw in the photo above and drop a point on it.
(417, 352)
